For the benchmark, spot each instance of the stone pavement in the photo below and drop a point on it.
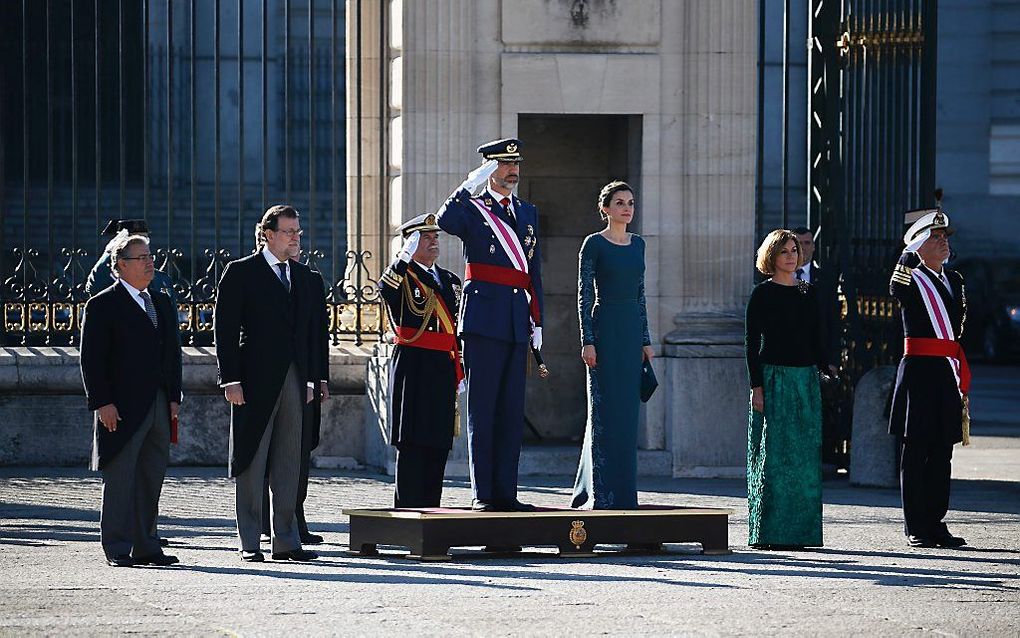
(865, 581)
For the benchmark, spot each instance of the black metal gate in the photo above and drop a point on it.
(871, 156)
(192, 114)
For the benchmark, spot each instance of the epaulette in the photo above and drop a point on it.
(902, 275)
(391, 278)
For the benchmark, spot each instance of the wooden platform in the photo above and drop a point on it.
(430, 533)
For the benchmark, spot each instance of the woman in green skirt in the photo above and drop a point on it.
(785, 354)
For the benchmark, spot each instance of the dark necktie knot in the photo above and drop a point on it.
(800, 274)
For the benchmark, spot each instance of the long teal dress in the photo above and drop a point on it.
(611, 304)
(784, 444)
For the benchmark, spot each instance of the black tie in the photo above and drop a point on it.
(283, 275)
(800, 274)
(435, 275)
(149, 308)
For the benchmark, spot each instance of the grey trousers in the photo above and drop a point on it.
(132, 481)
(280, 451)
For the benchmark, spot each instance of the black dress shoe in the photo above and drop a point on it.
(483, 506)
(502, 549)
(120, 560)
(160, 560)
(948, 540)
(252, 557)
(517, 506)
(164, 542)
(921, 541)
(300, 555)
(309, 538)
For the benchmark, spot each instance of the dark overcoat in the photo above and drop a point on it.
(260, 331)
(422, 382)
(926, 400)
(493, 310)
(125, 360)
(312, 421)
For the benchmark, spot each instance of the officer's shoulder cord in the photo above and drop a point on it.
(426, 313)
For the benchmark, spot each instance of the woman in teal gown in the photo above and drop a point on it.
(614, 345)
(784, 438)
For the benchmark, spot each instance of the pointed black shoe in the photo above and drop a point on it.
(300, 555)
(309, 538)
(921, 541)
(159, 560)
(483, 506)
(252, 557)
(120, 560)
(948, 540)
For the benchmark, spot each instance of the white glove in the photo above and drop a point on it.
(410, 245)
(462, 386)
(479, 176)
(536, 337)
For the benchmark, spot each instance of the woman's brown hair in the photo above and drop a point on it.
(770, 248)
(606, 195)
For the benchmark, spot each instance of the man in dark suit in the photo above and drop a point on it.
(311, 420)
(826, 281)
(264, 324)
(929, 404)
(131, 368)
(425, 369)
(501, 313)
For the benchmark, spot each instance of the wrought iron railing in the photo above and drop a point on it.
(164, 110)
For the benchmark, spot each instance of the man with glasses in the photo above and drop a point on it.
(131, 368)
(929, 410)
(265, 329)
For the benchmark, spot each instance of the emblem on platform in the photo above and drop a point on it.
(578, 535)
(492, 249)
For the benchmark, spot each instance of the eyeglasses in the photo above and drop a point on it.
(145, 257)
(291, 232)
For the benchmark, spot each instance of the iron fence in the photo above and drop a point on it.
(194, 115)
(871, 157)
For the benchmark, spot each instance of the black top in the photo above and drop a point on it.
(782, 328)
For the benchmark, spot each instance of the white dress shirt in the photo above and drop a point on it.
(136, 294)
(806, 276)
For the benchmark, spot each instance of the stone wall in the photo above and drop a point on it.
(44, 420)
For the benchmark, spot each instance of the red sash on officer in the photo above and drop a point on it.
(442, 341)
(944, 344)
(927, 347)
(516, 277)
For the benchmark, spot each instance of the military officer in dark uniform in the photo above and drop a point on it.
(929, 406)
(501, 313)
(425, 369)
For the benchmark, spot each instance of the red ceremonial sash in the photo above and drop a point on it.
(444, 341)
(928, 347)
(506, 277)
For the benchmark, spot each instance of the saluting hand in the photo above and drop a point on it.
(588, 355)
(479, 176)
(108, 416)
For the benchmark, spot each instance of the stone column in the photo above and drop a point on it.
(706, 243)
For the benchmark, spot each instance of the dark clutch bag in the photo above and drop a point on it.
(648, 381)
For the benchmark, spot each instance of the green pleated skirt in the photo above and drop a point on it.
(784, 460)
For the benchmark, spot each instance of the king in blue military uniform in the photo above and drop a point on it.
(929, 406)
(425, 369)
(501, 313)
